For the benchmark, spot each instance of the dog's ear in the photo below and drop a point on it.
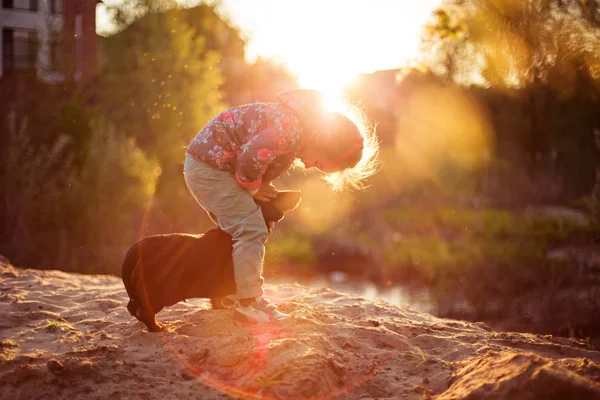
(270, 213)
(274, 210)
(287, 200)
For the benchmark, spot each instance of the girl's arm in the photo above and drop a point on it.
(255, 157)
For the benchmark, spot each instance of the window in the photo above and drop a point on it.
(78, 45)
(30, 5)
(56, 6)
(19, 49)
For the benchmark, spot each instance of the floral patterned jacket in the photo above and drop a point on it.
(257, 142)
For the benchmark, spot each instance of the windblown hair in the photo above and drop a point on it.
(354, 176)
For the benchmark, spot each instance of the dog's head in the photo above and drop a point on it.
(274, 210)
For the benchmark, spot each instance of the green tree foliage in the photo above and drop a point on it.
(221, 37)
(167, 71)
(73, 120)
(514, 43)
(160, 84)
(538, 60)
(243, 82)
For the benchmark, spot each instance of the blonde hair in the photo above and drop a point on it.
(368, 165)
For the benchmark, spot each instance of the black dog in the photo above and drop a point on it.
(161, 270)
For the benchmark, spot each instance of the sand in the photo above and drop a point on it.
(69, 336)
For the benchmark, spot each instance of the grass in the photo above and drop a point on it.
(292, 248)
(457, 250)
(5, 358)
(59, 323)
(423, 358)
(447, 243)
(451, 222)
(460, 238)
(8, 343)
(475, 252)
(9, 350)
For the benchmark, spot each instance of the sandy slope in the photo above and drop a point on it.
(69, 336)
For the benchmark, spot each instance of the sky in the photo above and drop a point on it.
(326, 42)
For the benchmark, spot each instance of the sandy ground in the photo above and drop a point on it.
(69, 336)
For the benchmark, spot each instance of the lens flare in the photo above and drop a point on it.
(442, 127)
(322, 208)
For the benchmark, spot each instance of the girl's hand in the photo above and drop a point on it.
(266, 192)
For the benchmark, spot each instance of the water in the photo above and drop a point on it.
(417, 299)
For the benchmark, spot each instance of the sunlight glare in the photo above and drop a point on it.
(442, 127)
(326, 43)
(322, 208)
(332, 100)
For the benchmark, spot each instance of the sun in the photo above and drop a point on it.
(331, 81)
(326, 43)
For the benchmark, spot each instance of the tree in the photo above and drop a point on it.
(514, 43)
(544, 50)
(160, 85)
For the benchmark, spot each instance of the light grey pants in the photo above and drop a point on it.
(237, 214)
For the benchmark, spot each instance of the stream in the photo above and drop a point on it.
(417, 299)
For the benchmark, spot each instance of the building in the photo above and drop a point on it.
(56, 39)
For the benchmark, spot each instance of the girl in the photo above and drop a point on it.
(233, 159)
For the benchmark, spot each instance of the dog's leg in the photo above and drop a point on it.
(223, 303)
(145, 315)
(149, 321)
(132, 307)
(143, 312)
(215, 303)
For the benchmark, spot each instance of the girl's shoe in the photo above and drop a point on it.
(259, 311)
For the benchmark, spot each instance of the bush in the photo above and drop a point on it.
(110, 193)
(593, 200)
(35, 178)
(58, 214)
